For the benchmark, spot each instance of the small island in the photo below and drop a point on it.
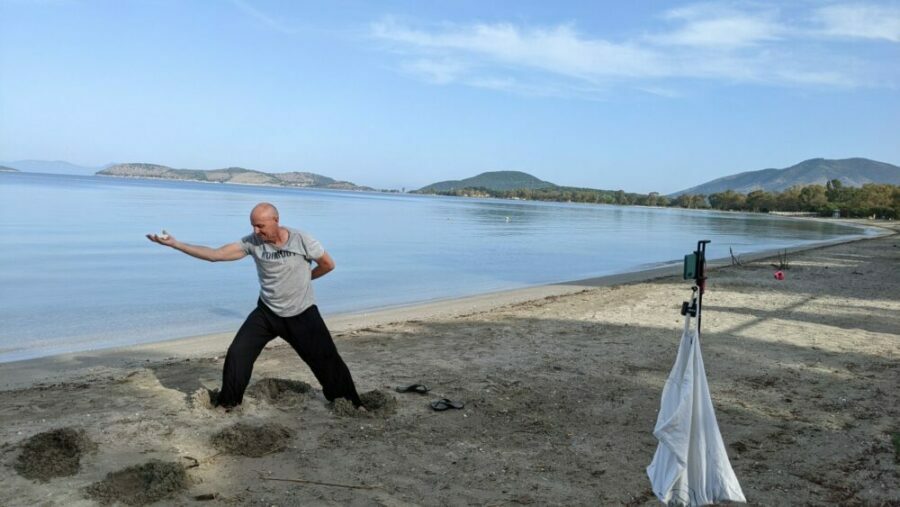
(237, 175)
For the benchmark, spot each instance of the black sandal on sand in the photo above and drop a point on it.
(413, 388)
(444, 403)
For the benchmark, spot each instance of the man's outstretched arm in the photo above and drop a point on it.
(324, 265)
(229, 252)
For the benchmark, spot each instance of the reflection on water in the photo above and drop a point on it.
(76, 271)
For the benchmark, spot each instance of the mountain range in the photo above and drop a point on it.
(51, 167)
(852, 172)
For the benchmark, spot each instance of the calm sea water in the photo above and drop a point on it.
(77, 273)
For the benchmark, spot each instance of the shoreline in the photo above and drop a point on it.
(640, 272)
(60, 367)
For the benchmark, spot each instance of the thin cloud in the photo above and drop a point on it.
(262, 17)
(860, 21)
(558, 50)
(435, 71)
(538, 88)
(718, 27)
(661, 91)
(704, 42)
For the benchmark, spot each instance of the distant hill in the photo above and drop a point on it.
(4, 169)
(852, 172)
(51, 167)
(228, 175)
(495, 180)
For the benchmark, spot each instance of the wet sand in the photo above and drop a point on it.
(560, 386)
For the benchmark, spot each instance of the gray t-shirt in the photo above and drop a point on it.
(284, 272)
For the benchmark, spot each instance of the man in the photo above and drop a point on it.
(286, 305)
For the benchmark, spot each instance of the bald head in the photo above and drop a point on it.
(264, 211)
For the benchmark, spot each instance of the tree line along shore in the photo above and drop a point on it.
(831, 199)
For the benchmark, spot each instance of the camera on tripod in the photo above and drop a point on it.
(694, 268)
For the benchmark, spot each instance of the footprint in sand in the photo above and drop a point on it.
(253, 440)
(274, 391)
(279, 391)
(377, 404)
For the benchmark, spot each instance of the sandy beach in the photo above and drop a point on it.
(560, 385)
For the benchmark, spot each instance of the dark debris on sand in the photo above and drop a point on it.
(251, 440)
(55, 453)
(140, 484)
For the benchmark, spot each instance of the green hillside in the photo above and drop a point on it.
(495, 180)
(851, 172)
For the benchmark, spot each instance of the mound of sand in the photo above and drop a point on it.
(279, 391)
(55, 453)
(252, 440)
(205, 398)
(139, 484)
(377, 404)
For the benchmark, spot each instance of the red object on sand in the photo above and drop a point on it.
(779, 275)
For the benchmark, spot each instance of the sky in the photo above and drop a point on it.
(640, 96)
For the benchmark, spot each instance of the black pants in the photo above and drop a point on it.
(305, 332)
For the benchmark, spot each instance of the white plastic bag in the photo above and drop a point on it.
(690, 466)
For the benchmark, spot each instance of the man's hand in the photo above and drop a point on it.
(324, 265)
(166, 239)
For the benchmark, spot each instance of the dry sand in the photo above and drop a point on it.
(561, 394)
